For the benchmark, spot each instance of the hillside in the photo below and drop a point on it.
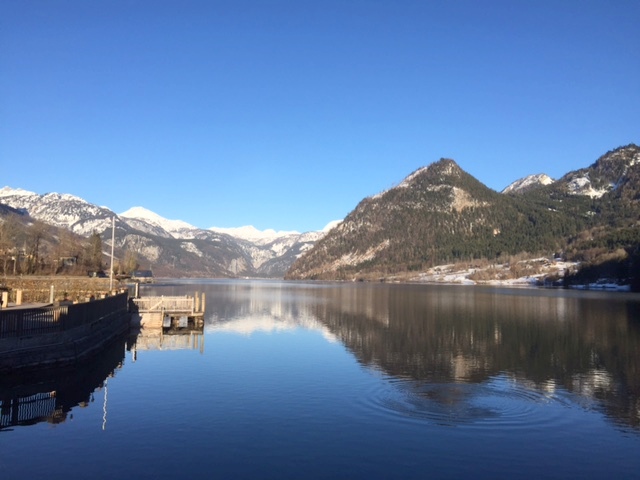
(171, 248)
(440, 214)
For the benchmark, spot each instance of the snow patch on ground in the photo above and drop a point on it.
(456, 274)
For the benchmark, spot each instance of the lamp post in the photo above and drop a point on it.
(113, 237)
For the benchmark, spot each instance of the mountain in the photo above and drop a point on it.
(528, 183)
(60, 210)
(252, 234)
(614, 172)
(176, 228)
(438, 214)
(169, 247)
(441, 214)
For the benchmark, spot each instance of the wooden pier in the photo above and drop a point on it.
(168, 312)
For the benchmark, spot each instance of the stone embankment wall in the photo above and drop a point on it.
(37, 289)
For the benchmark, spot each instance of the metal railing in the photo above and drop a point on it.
(19, 322)
(26, 410)
(172, 304)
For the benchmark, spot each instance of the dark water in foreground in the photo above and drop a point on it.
(292, 380)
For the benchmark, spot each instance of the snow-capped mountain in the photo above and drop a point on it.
(609, 173)
(529, 183)
(61, 210)
(170, 247)
(141, 216)
(252, 234)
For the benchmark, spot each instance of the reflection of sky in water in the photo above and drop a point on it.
(361, 381)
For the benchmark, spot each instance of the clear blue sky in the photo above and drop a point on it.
(285, 114)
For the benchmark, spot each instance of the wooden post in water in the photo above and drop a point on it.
(197, 302)
(51, 294)
(202, 303)
(5, 300)
(19, 296)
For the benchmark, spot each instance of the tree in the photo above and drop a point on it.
(130, 262)
(8, 241)
(35, 235)
(93, 252)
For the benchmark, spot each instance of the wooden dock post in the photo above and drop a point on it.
(19, 296)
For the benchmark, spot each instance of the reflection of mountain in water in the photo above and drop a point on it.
(589, 346)
(50, 394)
(252, 307)
(545, 341)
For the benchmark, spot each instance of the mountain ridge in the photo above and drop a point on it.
(438, 213)
(170, 247)
(442, 214)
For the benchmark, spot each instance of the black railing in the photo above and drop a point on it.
(27, 410)
(19, 322)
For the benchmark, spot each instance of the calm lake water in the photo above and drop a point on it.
(301, 380)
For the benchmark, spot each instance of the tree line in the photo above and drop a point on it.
(32, 247)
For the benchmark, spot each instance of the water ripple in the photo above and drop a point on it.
(496, 403)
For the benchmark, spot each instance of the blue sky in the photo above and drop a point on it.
(285, 114)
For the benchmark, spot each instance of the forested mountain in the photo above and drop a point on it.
(438, 214)
(441, 214)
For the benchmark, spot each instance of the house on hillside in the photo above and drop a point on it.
(142, 276)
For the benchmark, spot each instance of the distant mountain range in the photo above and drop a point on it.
(438, 214)
(169, 247)
(441, 214)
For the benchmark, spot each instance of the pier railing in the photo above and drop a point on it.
(172, 304)
(19, 322)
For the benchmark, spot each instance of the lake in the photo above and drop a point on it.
(325, 380)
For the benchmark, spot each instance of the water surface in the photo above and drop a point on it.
(320, 380)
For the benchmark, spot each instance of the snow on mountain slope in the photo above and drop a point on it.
(15, 192)
(528, 182)
(581, 185)
(252, 234)
(177, 228)
(331, 225)
(610, 172)
(263, 237)
(61, 210)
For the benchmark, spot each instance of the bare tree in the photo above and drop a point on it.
(35, 235)
(8, 241)
(130, 261)
(93, 252)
